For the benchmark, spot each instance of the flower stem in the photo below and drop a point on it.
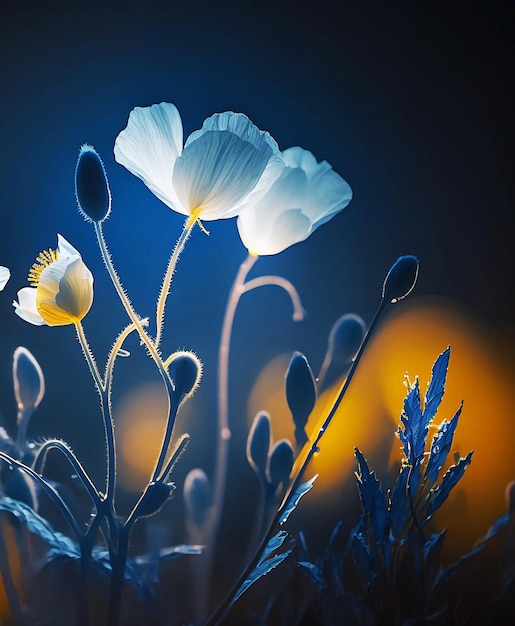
(279, 281)
(167, 280)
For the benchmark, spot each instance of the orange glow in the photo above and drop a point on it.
(14, 562)
(410, 339)
(140, 423)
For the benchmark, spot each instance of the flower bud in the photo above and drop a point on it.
(156, 495)
(345, 338)
(198, 496)
(91, 186)
(280, 463)
(258, 443)
(300, 389)
(401, 278)
(29, 382)
(186, 371)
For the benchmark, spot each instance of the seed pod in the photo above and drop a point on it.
(258, 443)
(29, 382)
(198, 496)
(280, 463)
(300, 391)
(401, 278)
(91, 186)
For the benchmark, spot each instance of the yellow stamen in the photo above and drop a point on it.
(44, 259)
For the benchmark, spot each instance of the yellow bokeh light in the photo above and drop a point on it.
(409, 341)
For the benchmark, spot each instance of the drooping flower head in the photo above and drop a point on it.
(223, 165)
(306, 195)
(62, 288)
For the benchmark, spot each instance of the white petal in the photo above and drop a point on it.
(5, 274)
(26, 306)
(149, 146)
(221, 165)
(65, 248)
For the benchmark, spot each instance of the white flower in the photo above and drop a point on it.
(63, 288)
(222, 165)
(306, 195)
(5, 274)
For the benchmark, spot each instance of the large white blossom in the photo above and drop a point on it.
(63, 288)
(226, 163)
(306, 195)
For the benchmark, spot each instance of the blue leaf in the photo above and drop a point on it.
(314, 574)
(60, 544)
(167, 554)
(362, 555)
(415, 427)
(294, 498)
(265, 564)
(450, 479)
(440, 447)
(436, 387)
(372, 498)
(399, 505)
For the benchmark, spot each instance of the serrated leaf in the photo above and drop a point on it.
(415, 430)
(436, 387)
(314, 574)
(362, 556)
(450, 479)
(258, 572)
(440, 447)
(399, 505)
(372, 498)
(295, 497)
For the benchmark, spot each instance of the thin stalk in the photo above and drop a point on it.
(167, 280)
(22, 420)
(223, 609)
(279, 281)
(57, 444)
(51, 492)
(106, 416)
(118, 575)
(166, 440)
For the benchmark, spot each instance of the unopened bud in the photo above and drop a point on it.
(345, 338)
(156, 495)
(186, 371)
(280, 463)
(401, 278)
(258, 442)
(300, 389)
(91, 186)
(198, 496)
(29, 382)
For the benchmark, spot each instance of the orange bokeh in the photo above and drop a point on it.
(409, 340)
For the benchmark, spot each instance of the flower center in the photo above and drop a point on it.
(195, 218)
(44, 259)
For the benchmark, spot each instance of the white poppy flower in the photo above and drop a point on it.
(306, 195)
(63, 288)
(224, 164)
(5, 274)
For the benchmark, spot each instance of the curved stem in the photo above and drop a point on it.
(279, 281)
(51, 492)
(57, 444)
(113, 354)
(223, 609)
(107, 418)
(167, 280)
(126, 302)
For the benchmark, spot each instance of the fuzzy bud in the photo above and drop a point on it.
(91, 186)
(29, 382)
(156, 495)
(198, 496)
(401, 278)
(258, 442)
(280, 463)
(186, 371)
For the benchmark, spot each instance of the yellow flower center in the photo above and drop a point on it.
(195, 218)
(44, 259)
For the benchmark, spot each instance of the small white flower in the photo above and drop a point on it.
(306, 195)
(224, 164)
(63, 288)
(5, 274)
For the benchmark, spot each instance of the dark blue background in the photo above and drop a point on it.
(410, 102)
